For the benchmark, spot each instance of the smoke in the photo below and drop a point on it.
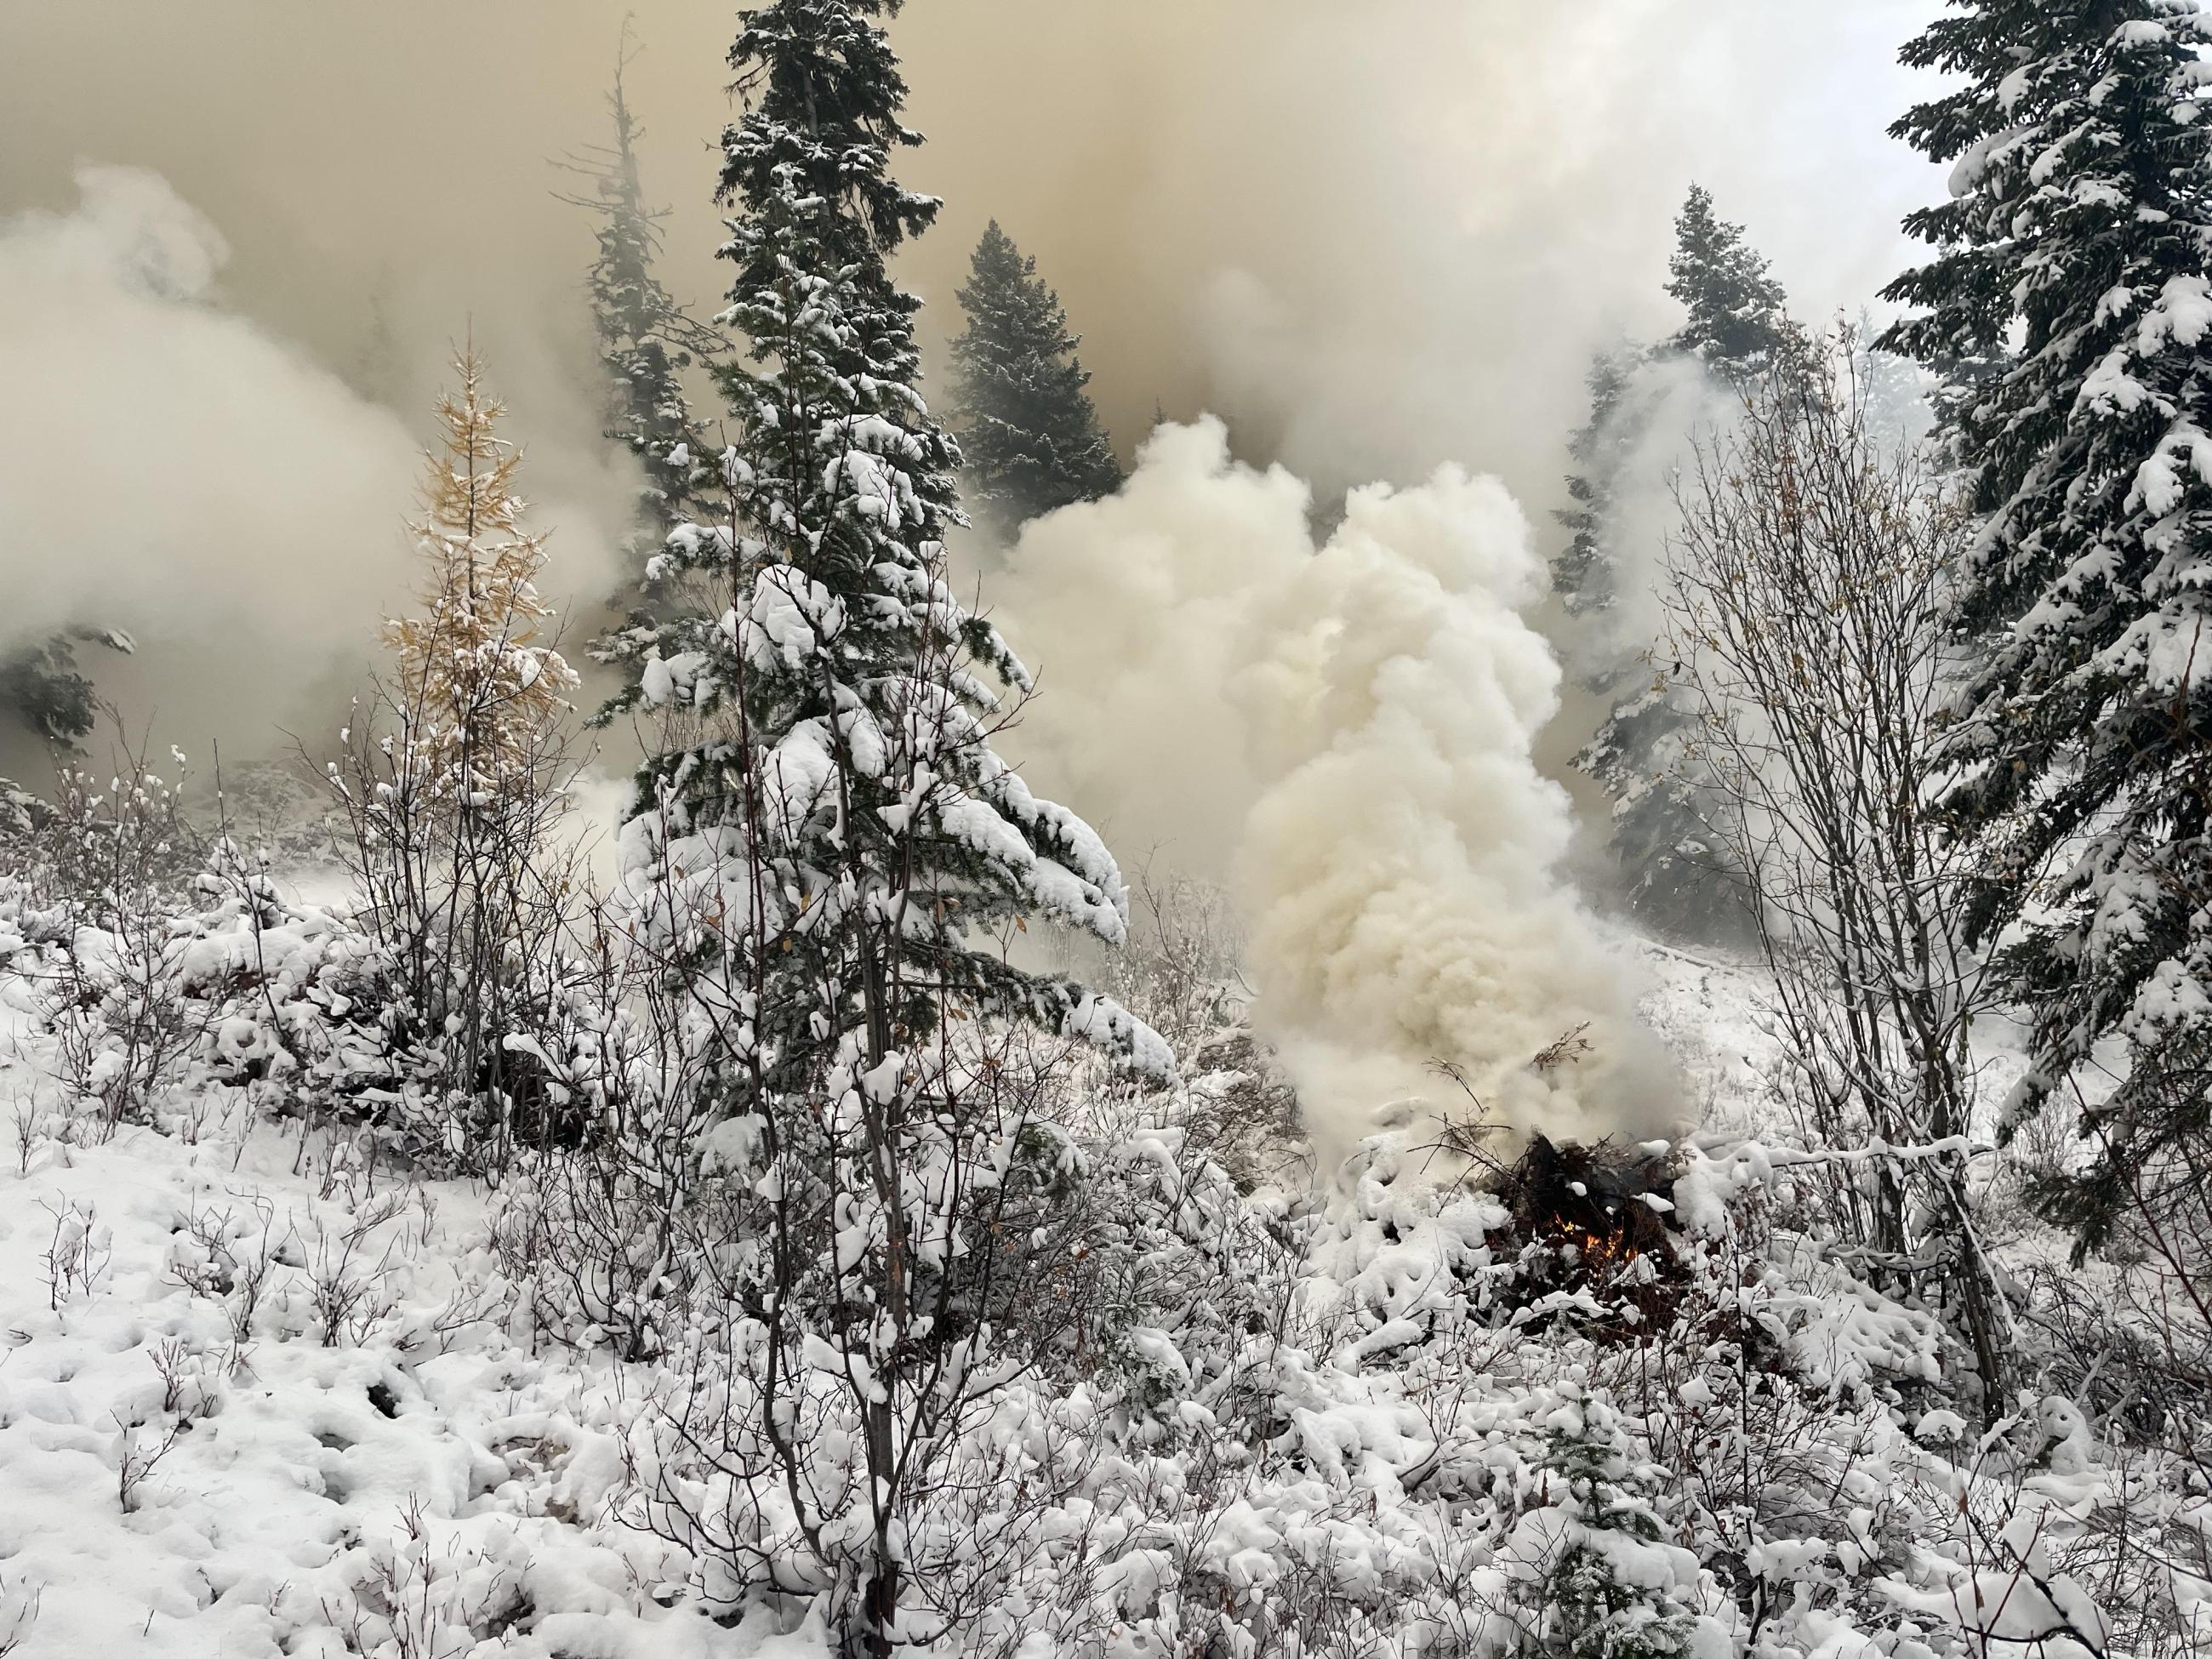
(173, 471)
(1346, 733)
(177, 473)
(1376, 240)
(1373, 242)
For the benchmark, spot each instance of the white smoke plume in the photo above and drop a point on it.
(1347, 732)
(176, 471)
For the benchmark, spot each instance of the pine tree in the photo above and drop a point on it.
(42, 683)
(2073, 251)
(1592, 1575)
(1672, 874)
(829, 847)
(1739, 324)
(646, 343)
(481, 696)
(1583, 574)
(1029, 432)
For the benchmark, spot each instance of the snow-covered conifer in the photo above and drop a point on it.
(43, 683)
(832, 855)
(1028, 431)
(646, 343)
(1739, 323)
(1673, 873)
(1584, 575)
(2072, 252)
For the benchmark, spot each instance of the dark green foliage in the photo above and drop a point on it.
(47, 690)
(1028, 429)
(1674, 876)
(1585, 1605)
(41, 683)
(1739, 324)
(1671, 873)
(1583, 574)
(2068, 276)
(829, 717)
(647, 342)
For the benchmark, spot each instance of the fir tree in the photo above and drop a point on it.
(646, 343)
(42, 683)
(1029, 432)
(1673, 875)
(1583, 574)
(828, 846)
(47, 689)
(1739, 323)
(2073, 251)
(1593, 1573)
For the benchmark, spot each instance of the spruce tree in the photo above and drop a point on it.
(2072, 253)
(1028, 430)
(830, 853)
(42, 683)
(1739, 323)
(1672, 874)
(1583, 574)
(647, 342)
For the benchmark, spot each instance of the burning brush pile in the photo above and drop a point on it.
(1592, 1226)
(1592, 1223)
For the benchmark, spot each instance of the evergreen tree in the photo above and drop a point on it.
(647, 342)
(2073, 250)
(1583, 574)
(1029, 432)
(1592, 1571)
(43, 683)
(1739, 323)
(1674, 876)
(829, 847)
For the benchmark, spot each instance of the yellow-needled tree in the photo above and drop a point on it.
(482, 693)
(455, 776)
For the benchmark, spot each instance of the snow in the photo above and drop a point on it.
(190, 1470)
(265, 1396)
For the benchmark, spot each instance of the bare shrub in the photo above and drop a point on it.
(1804, 604)
(110, 864)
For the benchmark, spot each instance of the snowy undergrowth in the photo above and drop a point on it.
(261, 1396)
(251, 1409)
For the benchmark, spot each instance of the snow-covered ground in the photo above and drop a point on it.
(259, 1398)
(255, 1401)
(252, 1409)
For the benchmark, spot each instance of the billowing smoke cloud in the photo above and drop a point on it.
(176, 472)
(173, 471)
(1347, 732)
(1375, 240)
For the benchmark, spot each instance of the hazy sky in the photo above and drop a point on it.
(1374, 234)
(1387, 226)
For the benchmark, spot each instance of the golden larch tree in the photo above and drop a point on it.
(482, 698)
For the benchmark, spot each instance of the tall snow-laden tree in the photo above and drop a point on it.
(1739, 319)
(1028, 430)
(646, 343)
(2073, 254)
(1673, 872)
(831, 855)
(482, 693)
(1585, 574)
